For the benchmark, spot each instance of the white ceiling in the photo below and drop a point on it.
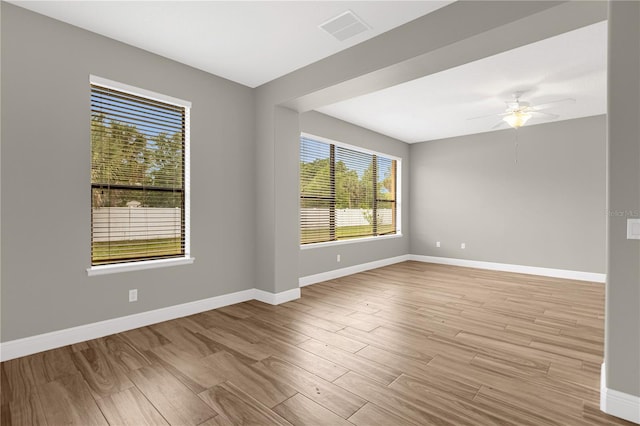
(253, 42)
(250, 42)
(571, 65)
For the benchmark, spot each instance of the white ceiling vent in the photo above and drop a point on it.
(344, 26)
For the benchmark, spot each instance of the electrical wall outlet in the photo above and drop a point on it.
(437, 243)
(633, 229)
(133, 295)
(338, 258)
(463, 246)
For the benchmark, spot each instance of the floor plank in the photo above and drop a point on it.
(267, 389)
(408, 344)
(354, 362)
(372, 415)
(300, 410)
(330, 338)
(190, 370)
(25, 411)
(122, 353)
(317, 365)
(238, 408)
(396, 402)
(68, 401)
(325, 393)
(130, 408)
(103, 376)
(177, 404)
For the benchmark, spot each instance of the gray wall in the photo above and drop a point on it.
(622, 345)
(426, 45)
(46, 162)
(546, 210)
(315, 260)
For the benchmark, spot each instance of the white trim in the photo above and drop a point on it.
(348, 146)
(132, 90)
(350, 241)
(398, 200)
(399, 188)
(55, 339)
(616, 403)
(151, 264)
(276, 298)
(507, 267)
(187, 181)
(343, 272)
(137, 266)
(603, 388)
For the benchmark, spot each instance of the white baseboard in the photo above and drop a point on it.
(506, 267)
(55, 339)
(30, 345)
(350, 270)
(618, 403)
(276, 298)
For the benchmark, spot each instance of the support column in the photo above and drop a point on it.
(621, 382)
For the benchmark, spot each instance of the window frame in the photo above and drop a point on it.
(142, 264)
(398, 194)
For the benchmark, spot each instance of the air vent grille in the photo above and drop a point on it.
(344, 26)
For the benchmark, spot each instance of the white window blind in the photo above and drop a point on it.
(138, 177)
(345, 193)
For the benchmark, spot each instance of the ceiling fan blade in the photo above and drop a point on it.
(489, 115)
(482, 116)
(553, 116)
(552, 104)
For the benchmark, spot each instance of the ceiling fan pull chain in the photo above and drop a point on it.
(515, 148)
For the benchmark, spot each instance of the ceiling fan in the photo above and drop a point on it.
(519, 112)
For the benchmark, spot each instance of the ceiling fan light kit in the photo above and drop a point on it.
(519, 112)
(517, 119)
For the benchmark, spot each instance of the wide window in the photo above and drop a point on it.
(139, 175)
(345, 192)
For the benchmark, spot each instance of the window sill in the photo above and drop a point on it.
(138, 266)
(353, 241)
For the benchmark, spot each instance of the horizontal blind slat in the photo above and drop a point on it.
(150, 103)
(364, 183)
(111, 100)
(137, 177)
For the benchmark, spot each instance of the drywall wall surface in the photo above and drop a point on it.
(323, 258)
(46, 203)
(429, 44)
(287, 135)
(533, 197)
(622, 344)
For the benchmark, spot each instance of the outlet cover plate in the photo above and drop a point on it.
(633, 229)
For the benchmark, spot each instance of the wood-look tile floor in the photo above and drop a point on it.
(411, 343)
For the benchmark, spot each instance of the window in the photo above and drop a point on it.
(345, 192)
(139, 175)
